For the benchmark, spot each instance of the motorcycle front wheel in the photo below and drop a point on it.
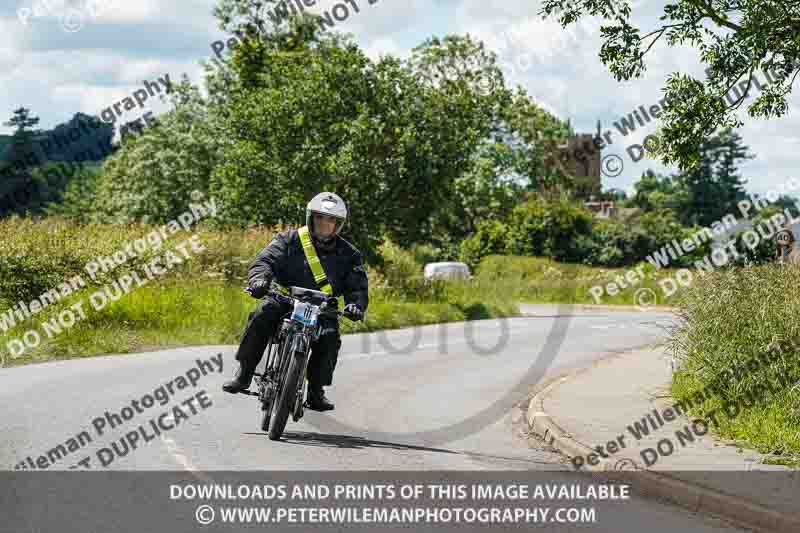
(266, 408)
(285, 403)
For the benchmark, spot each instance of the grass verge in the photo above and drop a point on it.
(175, 313)
(541, 280)
(738, 345)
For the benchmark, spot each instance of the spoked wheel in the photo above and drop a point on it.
(266, 405)
(265, 415)
(285, 403)
(297, 411)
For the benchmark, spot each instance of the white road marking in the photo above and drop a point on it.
(447, 344)
(177, 454)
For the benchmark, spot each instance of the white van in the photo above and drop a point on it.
(446, 270)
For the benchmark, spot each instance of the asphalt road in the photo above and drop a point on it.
(430, 398)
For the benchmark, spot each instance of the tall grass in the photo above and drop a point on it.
(727, 323)
(202, 302)
(199, 302)
(541, 280)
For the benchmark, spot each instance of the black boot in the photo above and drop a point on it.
(317, 400)
(241, 381)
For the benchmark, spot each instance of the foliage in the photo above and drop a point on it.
(612, 244)
(706, 192)
(23, 121)
(552, 229)
(400, 269)
(37, 255)
(491, 237)
(152, 177)
(420, 149)
(762, 230)
(725, 320)
(734, 38)
(93, 144)
(79, 198)
(656, 192)
(18, 188)
(660, 228)
(713, 186)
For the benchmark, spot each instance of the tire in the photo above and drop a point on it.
(285, 403)
(266, 407)
(265, 416)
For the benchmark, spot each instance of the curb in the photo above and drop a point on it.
(696, 498)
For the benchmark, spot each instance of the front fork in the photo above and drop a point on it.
(270, 385)
(304, 344)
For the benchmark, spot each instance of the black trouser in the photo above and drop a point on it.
(264, 321)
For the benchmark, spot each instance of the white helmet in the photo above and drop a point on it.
(326, 203)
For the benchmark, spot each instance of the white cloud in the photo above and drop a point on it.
(57, 73)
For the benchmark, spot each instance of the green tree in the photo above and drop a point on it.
(390, 136)
(554, 229)
(152, 176)
(23, 121)
(656, 192)
(513, 147)
(735, 38)
(490, 237)
(713, 186)
(79, 199)
(19, 189)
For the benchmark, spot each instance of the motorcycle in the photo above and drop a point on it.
(282, 386)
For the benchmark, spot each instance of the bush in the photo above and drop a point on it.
(400, 270)
(611, 244)
(491, 237)
(660, 228)
(426, 253)
(764, 251)
(79, 199)
(36, 256)
(616, 244)
(552, 229)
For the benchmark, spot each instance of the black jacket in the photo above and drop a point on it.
(284, 261)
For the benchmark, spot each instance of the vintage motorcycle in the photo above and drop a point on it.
(282, 387)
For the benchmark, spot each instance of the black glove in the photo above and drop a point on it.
(258, 288)
(353, 312)
(329, 307)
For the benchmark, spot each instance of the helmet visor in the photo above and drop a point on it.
(325, 226)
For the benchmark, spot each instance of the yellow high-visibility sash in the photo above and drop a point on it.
(313, 261)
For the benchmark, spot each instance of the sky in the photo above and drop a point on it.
(59, 57)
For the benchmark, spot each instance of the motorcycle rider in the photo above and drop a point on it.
(286, 262)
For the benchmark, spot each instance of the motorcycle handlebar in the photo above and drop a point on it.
(287, 298)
